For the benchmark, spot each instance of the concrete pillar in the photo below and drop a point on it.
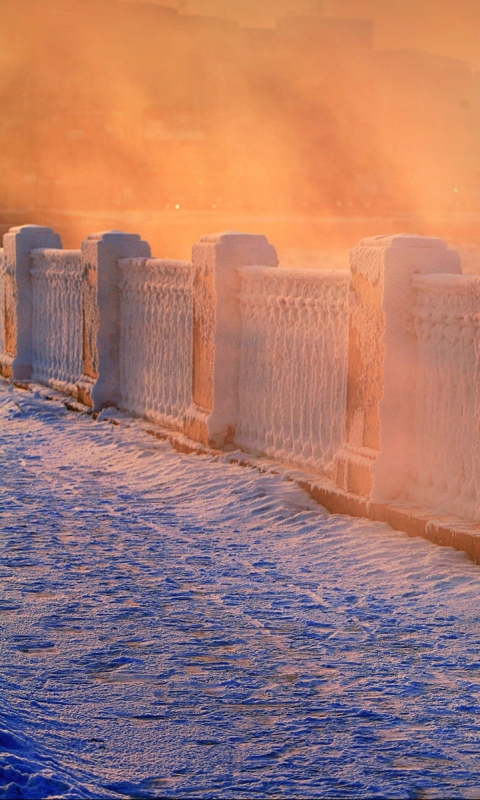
(101, 252)
(18, 243)
(89, 334)
(212, 417)
(377, 454)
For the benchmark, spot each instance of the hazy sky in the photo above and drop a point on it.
(159, 112)
(445, 27)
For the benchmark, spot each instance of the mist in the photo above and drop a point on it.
(204, 115)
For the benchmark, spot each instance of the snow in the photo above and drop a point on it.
(156, 311)
(293, 364)
(446, 470)
(57, 342)
(176, 625)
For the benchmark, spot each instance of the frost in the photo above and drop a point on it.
(256, 356)
(447, 401)
(293, 364)
(156, 338)
(57, 318)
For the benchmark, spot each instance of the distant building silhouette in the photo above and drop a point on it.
(119, 105)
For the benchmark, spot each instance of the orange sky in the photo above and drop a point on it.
(125, 111)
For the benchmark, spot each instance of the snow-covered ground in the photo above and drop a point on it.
(179, 626)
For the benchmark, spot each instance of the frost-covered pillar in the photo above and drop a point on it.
(18, 243)
(101, 252)
(376, 458)
(5, 365)
(89, 334)
(212, 417)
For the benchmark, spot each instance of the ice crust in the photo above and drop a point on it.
(156, 310)
(447, 400)
(293, 364)
(57, 317)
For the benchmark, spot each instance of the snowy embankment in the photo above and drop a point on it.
(176, 625)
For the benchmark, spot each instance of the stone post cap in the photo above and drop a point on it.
(31, 229)
(113, 236)
(256, 245)
(232, 237)
(31, 236)
(404, 240)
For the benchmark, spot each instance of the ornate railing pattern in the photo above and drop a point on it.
(293, 364)
(57, 329)
(446, 466)
(156, 338)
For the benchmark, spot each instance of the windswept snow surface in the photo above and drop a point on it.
(177, 626)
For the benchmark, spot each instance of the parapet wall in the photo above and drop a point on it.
(368, 382)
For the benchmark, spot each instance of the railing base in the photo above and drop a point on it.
(446, 531)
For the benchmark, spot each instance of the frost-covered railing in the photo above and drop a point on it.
(57, 346)
(447, 403)
(17, 301)
(48, 312)
(156, 310)
(375, 461)
(293, 364)
(375, 372)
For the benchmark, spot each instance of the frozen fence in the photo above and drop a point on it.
(156, 338)
(293, 364)
(57, 325)
(9, 314)
(447, 401)
(372, 376)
